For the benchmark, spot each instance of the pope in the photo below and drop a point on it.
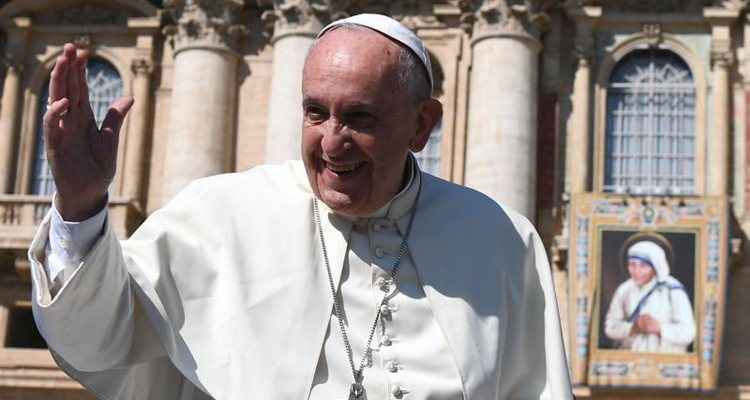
(348, 274)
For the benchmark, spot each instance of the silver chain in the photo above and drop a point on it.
(338, 306)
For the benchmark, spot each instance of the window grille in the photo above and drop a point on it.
(105, 85)
(650, 131)
(429, 157)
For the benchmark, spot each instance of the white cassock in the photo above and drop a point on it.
(663, 298)
(223, 293)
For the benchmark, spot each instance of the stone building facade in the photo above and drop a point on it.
(535, 94)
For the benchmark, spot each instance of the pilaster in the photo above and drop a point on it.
(579, 136)
(721, 20)
(142, 68)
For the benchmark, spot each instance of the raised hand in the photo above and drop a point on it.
(81, 156)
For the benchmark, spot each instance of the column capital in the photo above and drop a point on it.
(12, 62)
(208, 24)
(722, 59)
(492, 18)
(142, 66)
(301, 17)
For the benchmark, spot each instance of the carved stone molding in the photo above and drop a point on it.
(487, 18)
(86, 14)
(654, 6)
(204, 24)
(142, 66)
(301, 17)
(12, 63)
(653, 33)
(722, 58)
(415, 14)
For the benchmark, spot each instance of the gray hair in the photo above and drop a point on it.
(412, 75)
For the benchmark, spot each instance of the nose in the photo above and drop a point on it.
(336, 138)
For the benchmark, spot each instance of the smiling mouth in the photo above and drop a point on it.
(343, 169)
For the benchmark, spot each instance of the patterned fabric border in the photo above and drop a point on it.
(582, 326)
(610, 369)
(679, 371)
(709, 330)
(582, 248)
(714, 254)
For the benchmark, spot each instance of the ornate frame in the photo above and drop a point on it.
(591, 215)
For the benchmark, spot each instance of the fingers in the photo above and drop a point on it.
(74, 76)
(55, 112)
(82, 57)
(106, 146)
(116, 114)
(59, 78)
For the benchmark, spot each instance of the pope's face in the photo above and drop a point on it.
(359, 123)
(640, 272)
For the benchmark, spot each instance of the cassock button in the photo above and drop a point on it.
(397, 392)
(384, 284)
(385, 310)
(379, 252)
(385, 340)
(380, 226)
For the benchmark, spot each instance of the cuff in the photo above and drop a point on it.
(70, 241)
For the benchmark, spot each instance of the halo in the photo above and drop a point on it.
(653, 237)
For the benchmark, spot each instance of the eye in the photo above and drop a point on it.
(315, 114)
(360, 119)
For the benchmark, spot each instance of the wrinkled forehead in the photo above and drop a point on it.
(360, 43)
(356, 53)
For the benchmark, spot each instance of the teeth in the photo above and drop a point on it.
(342, 168)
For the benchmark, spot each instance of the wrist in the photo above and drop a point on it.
(79, 207)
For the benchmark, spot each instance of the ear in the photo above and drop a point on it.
(430, 112)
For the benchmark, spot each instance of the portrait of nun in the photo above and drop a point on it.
(650, 311)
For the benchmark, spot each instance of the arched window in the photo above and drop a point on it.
(105, 85)
(650, 134)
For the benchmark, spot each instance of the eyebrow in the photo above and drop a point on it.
(357, 104)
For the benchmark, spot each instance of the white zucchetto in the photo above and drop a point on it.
(392, 29)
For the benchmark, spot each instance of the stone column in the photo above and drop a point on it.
(134, 155)
(717, 154)
(11, 104)
(295, 25)
(579, 134)
(502, 133)
(203, 100)
(17, 31)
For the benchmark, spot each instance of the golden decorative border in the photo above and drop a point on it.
(593, 213)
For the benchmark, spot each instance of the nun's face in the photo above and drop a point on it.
(640, 272)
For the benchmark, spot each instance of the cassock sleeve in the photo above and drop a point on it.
(535, 366)
(114, 324)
